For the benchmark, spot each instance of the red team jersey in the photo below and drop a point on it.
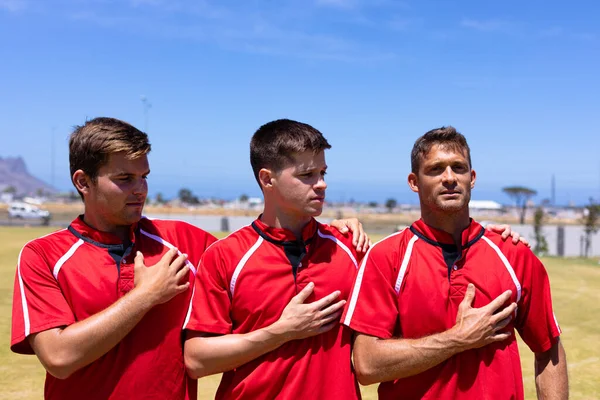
(410, 285)
(244, 283)
(77, 272)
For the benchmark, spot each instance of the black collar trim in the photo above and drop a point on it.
(86, 239)
(438, 244)
(282, 242)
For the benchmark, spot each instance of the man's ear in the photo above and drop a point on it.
(413, 182)
(473, 178)
(81, 181)
(265, 177)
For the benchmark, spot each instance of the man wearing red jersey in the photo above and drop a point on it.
(413, 301)
(250, 283)
(102, 323)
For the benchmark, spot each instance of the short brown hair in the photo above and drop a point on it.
(446, 136)
(91, 144)
(274, 144)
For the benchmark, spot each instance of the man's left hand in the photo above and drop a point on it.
(360, 239)
(505, 231)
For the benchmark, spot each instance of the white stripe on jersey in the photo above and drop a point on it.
(358, 282)
(242, 262)
(342, 245)
(404, 264)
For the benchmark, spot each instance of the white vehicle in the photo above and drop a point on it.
(28, 211)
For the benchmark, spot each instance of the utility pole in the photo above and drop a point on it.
(52, 156)
(146, 107)
(553, 191)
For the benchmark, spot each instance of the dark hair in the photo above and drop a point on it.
(274, 144)
(92, 143)
(446, 136)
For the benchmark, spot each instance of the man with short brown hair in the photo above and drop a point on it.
(413, 301)
(241, 321)
(102, 323)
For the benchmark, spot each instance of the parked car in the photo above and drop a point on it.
(28, 211)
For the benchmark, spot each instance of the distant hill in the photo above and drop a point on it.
(13, 172)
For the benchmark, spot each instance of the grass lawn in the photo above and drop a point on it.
(575, 288)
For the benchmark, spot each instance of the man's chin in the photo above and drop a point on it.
(132, 217)
(451, 206)
(314, 211)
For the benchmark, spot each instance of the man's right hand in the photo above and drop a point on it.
(300, 320)
(477, 327)
(163, 280)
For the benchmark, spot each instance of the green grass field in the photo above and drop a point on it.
(575, 288)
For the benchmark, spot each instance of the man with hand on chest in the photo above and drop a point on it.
(435, 306)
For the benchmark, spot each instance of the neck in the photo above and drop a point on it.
(277, 218)
(454, 223)
(96, 221)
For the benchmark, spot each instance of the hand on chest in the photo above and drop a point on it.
(435, 284)
(266, 284)
(107, 273)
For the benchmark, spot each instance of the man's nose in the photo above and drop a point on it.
(321, 184)
(449, 176)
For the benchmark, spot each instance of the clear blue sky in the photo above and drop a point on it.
(519, 79)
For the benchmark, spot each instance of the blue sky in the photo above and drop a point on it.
(519, 79)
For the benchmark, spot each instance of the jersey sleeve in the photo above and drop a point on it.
(38, 302)
(196, 240)
(373, 307)
(344, 240)
(210, 303)
(536, 322)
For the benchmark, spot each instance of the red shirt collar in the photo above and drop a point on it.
(98, 236)
(472, 232)
(285, 235)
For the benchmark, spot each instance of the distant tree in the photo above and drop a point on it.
(591, 218)
(541, 245)
(390, 204)
(186, 196)
(372, 204)
(160, 198)
(521, 196)
(73, 195)
(244, 198)
(10, 189)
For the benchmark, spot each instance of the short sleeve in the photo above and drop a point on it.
(210, 303)
(373, 305)
(196, 241)
(536, 322)
(344, 240)
(38, 302)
